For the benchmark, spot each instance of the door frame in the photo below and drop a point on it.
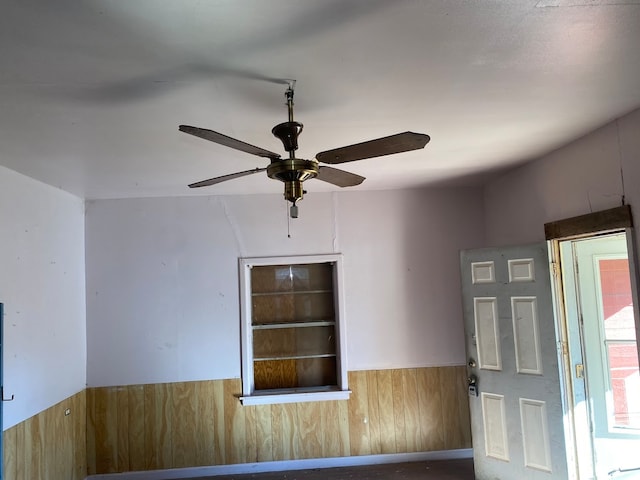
(616, 220)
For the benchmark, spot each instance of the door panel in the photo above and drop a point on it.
(494, 422)
(535, 434)
(516, 417)
(487, 328)
(526, 339)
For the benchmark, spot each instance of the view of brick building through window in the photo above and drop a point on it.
(620, 341)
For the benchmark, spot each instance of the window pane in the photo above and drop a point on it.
(292, 307)
(625, 383)
(617, 304)
(294, 342)
(291, 278)
(293, 326)
(275, 374)
(314, 372)
(313, 276)
(302, 373)
(620, 335)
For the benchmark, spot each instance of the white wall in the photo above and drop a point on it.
(42, 288)
(162, 277)
(579, 178)
(402, 268)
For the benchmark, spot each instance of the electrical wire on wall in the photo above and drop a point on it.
(620, 160)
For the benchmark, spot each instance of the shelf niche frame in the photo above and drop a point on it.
(251, 396)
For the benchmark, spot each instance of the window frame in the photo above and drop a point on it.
(603, 397)
(288, 395)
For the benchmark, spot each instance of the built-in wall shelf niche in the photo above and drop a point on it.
(292, 324)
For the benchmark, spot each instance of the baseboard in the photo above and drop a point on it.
(197, 472)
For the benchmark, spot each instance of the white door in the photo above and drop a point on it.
(516, 407)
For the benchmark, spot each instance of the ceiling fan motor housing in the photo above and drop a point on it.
(292, 172)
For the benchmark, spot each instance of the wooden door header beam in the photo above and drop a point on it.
(612, 219)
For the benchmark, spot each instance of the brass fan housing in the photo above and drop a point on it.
(292, 172)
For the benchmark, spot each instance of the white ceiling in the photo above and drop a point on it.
(92, 91)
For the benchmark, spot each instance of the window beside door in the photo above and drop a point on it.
(619, 338)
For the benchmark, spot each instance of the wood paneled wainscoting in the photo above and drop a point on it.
(50, 445)
(163, 426)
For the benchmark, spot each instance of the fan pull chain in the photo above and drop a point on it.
(286, 212)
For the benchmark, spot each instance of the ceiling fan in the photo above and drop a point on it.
(294, 171)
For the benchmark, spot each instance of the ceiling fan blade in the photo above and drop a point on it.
(228, 141)
(224, 178)
(339, 178)
(400, 142)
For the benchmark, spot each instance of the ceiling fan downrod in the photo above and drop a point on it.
(288, 132)
(292, 171)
